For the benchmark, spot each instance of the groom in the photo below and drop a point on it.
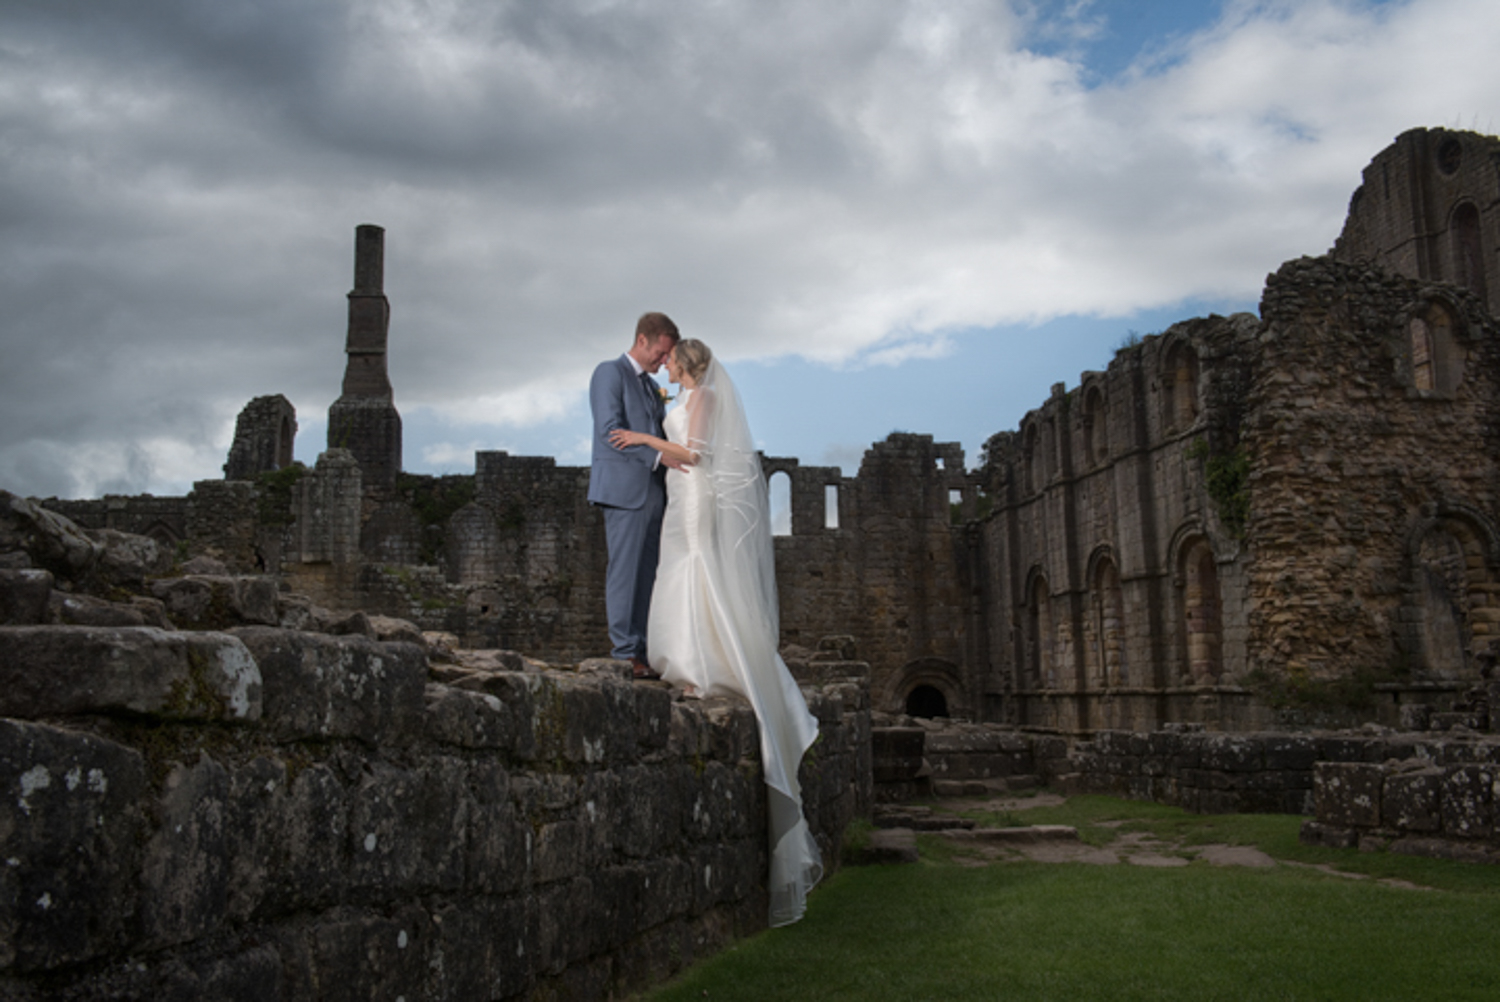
(629, 485)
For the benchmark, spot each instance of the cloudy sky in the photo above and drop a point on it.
(883, 215)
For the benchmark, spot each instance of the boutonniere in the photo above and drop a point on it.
(663, 395)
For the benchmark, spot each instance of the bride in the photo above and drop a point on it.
(714, 622)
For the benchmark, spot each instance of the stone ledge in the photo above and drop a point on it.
(59, 671)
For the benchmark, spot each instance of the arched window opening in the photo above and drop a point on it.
(284, 439)
(1203, 613)
(1468, 250)
(1452, 581)
(1029, 479)
(1105, 648)
(1435, 356)
(1095, 430)
(1180, 388)
(1420, 337)
(781, 503)
(831, 506)
(926, 701)
(1041, 669)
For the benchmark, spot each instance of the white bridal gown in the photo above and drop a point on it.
(714, 622)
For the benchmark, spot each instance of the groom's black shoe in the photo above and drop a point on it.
(641, 671)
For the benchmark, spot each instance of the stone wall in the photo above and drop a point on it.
(270, 814)
(1373, 500)
(1114, 589)
(1421, 806)
(1426, 208)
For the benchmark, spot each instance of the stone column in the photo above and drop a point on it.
(364, 419)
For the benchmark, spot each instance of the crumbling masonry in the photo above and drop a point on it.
(1241, 521)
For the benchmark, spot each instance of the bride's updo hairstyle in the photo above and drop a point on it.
(693, 355)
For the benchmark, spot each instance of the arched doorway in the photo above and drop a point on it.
(926, 701)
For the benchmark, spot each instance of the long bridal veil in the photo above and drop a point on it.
(742, 571)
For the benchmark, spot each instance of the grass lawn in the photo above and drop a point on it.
(941, 930)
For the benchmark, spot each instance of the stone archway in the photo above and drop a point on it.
(931, 685)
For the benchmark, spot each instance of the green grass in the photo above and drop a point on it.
(1021, 931)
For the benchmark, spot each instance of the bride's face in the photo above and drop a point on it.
(674, 368)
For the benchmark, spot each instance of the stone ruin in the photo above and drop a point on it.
(272, 739)
(1242, 521)
(215, 789)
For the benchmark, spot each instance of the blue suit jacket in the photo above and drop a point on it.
(623, 478)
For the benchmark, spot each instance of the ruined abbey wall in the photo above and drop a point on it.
(1242, 521)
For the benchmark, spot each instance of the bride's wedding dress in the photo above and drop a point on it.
(714, 623)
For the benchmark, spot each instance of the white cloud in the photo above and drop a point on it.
(852, 184)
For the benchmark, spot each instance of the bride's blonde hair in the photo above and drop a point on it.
(693, 355)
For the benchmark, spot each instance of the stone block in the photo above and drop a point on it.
(317, 686)
(1335, 748)
(304, 842)
(350, 955)
(1231, 753)
(1347, 794)
(653, 716)
(499, 839)
(50, 540)
(69, 609)
(128, 559)
(407, 828)
(1468, 801)
(24, 594)
(56, 671)
(468, 719)
(1330, 836)
(1289, 751)
(962, 742)
(185, 869)
(480, 950)
(252, 810)
(212, 602)
(1411, 800)
(72, 823)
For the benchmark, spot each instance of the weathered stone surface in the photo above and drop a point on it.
(469, 719)
(52, 541)
(127, 559)
(48, 671)
(185, 869)
(24, 595)
(1468, 801)
(72, 822)
(1410, 800)
(69, 609)
(1347, 794)
(204, 602)
(317, 686)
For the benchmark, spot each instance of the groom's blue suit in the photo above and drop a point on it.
(629, 485)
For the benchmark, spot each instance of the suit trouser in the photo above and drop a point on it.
(633, 537)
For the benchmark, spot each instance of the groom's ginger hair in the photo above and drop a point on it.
(652, 326)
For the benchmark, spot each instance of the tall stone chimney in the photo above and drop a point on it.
(364, 419)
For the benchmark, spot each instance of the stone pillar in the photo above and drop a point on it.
(363, 419)
(329, 503)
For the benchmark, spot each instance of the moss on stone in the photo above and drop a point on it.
(273, 505)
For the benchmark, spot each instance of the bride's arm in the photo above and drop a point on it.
(622, 438)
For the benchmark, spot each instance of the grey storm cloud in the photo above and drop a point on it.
(852, 183)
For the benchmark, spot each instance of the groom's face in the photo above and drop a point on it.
(654, 353)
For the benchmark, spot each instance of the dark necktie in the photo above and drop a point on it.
(649, 385)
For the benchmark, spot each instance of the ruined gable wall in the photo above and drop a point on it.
(894, 574)
(1355, 467)
(1429, 208)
